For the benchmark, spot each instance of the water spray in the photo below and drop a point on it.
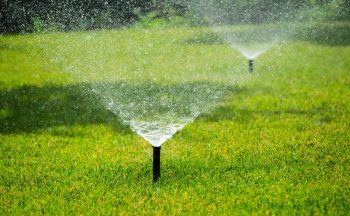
(156, 163)
(251, 65)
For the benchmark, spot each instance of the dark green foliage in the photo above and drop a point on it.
(344, 11)
(19, 16)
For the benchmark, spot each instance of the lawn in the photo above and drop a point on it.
(277, 143)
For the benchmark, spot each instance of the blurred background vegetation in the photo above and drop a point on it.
(24, 16)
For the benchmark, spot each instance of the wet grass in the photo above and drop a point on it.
(279, 145)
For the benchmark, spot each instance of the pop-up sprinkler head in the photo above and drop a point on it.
(251, 65)
(156, 163)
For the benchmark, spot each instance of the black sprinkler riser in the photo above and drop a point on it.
(251, 65)
(156, 163)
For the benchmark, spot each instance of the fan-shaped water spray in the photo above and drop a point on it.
(157, 111)
(250, 31)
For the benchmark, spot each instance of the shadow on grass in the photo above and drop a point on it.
(323, 113)
(31, 108)
(336, 34)
(207, 38)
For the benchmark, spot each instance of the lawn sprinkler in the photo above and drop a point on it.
(156, 163)
(251, 65)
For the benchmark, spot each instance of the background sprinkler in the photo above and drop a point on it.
(251, 65)
(156, 163)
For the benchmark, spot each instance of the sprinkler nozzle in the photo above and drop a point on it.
(251, 65)
(156, 163)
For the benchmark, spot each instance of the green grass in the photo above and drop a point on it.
(278, 144)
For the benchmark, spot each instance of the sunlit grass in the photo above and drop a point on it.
(277, 145)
